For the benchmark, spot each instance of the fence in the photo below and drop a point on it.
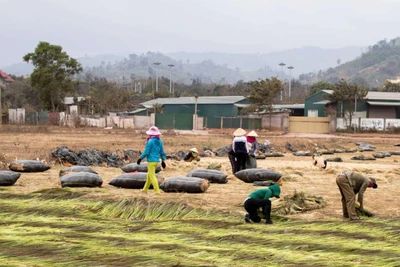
(186, 122)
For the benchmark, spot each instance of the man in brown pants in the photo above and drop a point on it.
(350, 184)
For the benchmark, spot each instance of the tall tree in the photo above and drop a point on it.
(261, 93)
(52, 74)
(347, 95)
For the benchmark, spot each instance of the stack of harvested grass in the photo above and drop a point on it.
(214, 166)
(299, 202)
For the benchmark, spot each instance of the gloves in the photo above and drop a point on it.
(163, 164)
(138, 161)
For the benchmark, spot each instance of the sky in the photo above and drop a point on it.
(122, 27)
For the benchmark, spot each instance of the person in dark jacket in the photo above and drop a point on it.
(350, 184)
(260, 199)
(153, 151)
(240, 149)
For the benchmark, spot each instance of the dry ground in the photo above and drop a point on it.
(298, 172)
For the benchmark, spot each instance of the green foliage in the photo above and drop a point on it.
(391, 87)
(52, 74)
(261, 93)
(316, 87)
(346, 94)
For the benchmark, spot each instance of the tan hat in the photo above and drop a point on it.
(239, 132)
(252, 133)
(194, 150)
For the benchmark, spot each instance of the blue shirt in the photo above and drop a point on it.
(154, 150)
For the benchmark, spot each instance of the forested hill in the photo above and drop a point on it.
(372, 68)
(220, 68)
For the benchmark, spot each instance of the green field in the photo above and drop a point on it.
(65, 227)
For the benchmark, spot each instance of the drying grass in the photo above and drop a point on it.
(42, 224)
(74, 230)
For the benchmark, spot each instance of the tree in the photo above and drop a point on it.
(391, 87)
(316, 87)
(347, 94)
(52, 74)
(261, 93)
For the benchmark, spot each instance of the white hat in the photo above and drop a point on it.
(194, 150)
(252, 133)
(239, 132)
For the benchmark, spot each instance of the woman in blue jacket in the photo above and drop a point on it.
(153, 151)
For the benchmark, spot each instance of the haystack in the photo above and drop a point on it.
(298, 203)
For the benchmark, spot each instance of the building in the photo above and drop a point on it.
(5, 79)
(207, 106)
(375, 105)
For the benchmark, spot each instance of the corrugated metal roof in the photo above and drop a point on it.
(192, 100)
(289, 106)
(379, 103)
(383, 96)
(322, 102)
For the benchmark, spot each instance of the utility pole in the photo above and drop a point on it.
(290, 82)
(282, 64)
(157, 64)
(170, 81)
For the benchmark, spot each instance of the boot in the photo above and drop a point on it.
(267, 213)
(247, 218)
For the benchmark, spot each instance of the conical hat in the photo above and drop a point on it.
(194, 150)
(252, 133)
(239, 132)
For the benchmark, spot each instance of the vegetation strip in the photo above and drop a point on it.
(64, 228)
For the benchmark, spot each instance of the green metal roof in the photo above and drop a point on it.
(192, 100)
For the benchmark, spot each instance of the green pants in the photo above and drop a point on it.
(348, 197)
(151, 178)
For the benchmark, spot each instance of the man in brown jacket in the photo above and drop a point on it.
(350, 184)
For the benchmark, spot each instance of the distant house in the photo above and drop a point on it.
(397, 80)
(375, 105)
(207, 106)
(5, 79)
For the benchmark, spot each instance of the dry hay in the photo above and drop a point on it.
(214, 166)
(298, 203)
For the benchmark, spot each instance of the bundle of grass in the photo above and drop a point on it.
(81, 179)
(213, 176)
(252, 175)
(72, 169)
(299, 202)
(134, 167)
(363, 212)
(28, 166)
(185, 184)
(134, 180)
(8, 178)
(214, 166)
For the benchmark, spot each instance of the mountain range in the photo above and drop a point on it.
(210, 67)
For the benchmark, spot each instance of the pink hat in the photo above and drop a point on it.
(153, 131)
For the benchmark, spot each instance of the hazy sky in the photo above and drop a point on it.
(238, 26)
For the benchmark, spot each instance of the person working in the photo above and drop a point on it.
(253, 146)
(153, 151)
(350, 184)
(193, 154)
(260, 199)
(240, 149)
